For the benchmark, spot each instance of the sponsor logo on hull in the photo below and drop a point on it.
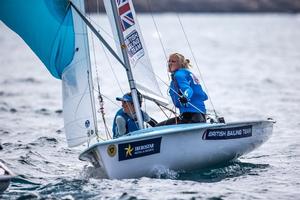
(227, 133)
(138, 149)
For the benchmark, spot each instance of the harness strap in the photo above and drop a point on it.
(176, 85)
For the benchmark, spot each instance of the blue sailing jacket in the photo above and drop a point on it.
(131, 124)
(185, 83)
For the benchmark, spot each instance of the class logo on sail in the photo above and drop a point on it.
(125, 13)
(138, 149)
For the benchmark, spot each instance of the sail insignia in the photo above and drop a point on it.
(141, 67)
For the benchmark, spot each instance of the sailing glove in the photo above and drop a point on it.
(183, 101)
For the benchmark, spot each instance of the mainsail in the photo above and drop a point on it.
(141, 67)
(59, 39)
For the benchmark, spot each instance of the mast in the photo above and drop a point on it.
(131, 81)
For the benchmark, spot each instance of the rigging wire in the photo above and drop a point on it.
(166, 84)
(81, 99)
(84, 137)
(171, 111)
(89, 78)
(166, 57)
(100, 98)
(156, 77)
(105, 51)
(96, 65)
(112, 69)
(156, 28)
(107, 98)
(194, 58)
(108, 59)
(90, 86)
(110, 49)
(190, 48)
(158, 33)
(110, 64)
(94, 23)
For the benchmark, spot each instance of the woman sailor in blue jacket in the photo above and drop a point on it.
(186, 92)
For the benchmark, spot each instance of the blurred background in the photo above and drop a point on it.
(236, 6)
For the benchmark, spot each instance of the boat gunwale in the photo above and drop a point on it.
(6, 177)
(152, 132)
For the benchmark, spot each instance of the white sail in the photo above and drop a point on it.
(139, 60)
(78, 100)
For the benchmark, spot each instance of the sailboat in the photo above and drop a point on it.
(5, 177)
(62, 45)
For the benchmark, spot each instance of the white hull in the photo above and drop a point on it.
(5, 176)
(176, 147)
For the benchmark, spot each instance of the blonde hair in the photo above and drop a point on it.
(183, 62)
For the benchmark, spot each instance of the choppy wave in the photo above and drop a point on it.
(30, 80)
(230, 170)
(251, 67)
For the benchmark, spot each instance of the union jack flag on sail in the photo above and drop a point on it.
(125, 14)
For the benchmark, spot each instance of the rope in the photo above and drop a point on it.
(100, 98)
(121, 63)
(158, 33)
(100, 94)
(171, 110)
(112, 69)
(156, 28)
(104, 50)
(194, 58)
(92, 103)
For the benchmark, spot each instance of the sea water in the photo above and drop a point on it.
(250, 65)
